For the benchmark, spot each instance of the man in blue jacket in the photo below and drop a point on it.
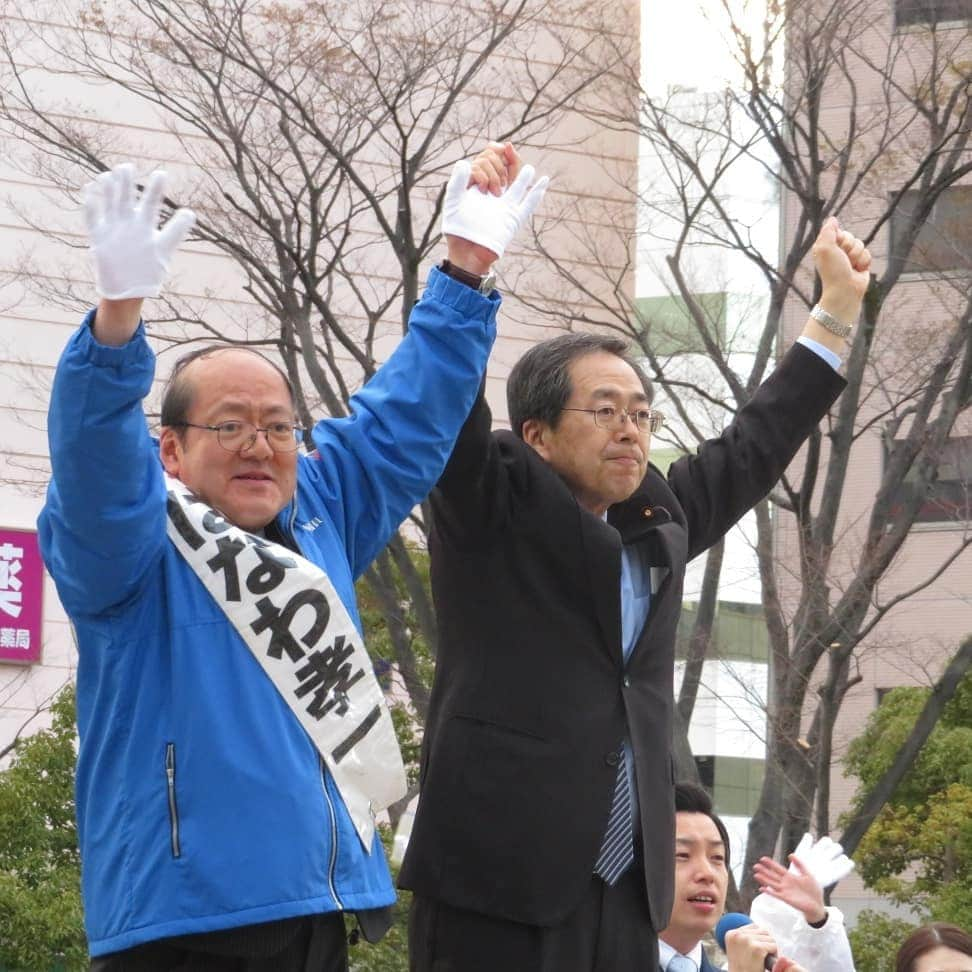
(234, 744)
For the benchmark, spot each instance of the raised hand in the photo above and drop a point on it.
(131, 254)
(796, 886)
(483, 209)
(824, 859)
(495, 167)
(844, 264)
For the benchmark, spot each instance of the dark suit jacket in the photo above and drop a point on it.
(531, 699)
(707, 966)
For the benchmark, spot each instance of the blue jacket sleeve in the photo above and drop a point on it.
(103, 525)
(374, 466)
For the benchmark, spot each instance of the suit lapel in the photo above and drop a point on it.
(707, 966)
(635, 520)
(650, 528)
(639, 521)
(602, 554)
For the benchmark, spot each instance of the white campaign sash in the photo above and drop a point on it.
(293, 621)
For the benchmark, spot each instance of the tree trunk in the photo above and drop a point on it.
(701, 637)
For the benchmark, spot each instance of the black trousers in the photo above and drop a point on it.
(610, 932)
(317, 943)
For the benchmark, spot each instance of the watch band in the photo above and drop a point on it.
(827, 320)
(484, 284)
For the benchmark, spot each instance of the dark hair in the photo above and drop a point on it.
(929, 937)
(690, 798)
(539, 384)
(179, 390)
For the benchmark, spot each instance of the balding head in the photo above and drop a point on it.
(179, 390)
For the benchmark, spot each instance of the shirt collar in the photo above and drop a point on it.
(666, 952)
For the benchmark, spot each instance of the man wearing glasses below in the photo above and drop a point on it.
(234, 740)
(544, 835)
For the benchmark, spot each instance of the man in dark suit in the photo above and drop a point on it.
(544, 834)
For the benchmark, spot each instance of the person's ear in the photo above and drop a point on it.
(171, 451)
(536, 434)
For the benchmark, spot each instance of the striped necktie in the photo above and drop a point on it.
(617, 850)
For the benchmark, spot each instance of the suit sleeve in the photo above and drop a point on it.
(732, 473)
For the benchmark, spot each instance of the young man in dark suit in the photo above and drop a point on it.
(544, 834)
(788, 916)
(701, 880)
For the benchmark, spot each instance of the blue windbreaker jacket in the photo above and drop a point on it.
(201, 802)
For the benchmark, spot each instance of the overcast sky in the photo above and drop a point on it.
(684, 43)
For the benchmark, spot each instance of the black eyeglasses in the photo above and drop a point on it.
(609, 417)
(236, 436)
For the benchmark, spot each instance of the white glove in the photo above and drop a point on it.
(131, 257)
(825, 860)
(481, 217)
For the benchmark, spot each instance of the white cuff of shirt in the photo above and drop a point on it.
(831, 357)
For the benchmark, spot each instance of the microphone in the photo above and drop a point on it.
(729, 922)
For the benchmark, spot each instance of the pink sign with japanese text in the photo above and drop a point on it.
(21, 587)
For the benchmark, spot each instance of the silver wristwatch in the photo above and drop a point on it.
(827, 320)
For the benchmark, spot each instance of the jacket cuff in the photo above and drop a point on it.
(106, 356)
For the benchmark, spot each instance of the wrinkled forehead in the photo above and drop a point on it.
(606, 375)
(238, 374)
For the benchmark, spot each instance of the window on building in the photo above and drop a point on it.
(949, 499)
(931, 11)
(944, 242)
(670, 327)
(706, 767)
(738, 630)
(734, 782)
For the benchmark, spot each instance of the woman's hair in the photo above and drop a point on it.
(929, 937)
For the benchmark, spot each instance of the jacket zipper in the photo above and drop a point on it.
(331, 815)
(332, 819)
(289, 532)
(173, 806)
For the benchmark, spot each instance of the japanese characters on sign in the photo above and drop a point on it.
(21, 588)
(290, 617)
(329, 672)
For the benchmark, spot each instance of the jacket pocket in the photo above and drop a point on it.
(170, 789)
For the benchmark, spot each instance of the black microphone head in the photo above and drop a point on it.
(728, 923)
